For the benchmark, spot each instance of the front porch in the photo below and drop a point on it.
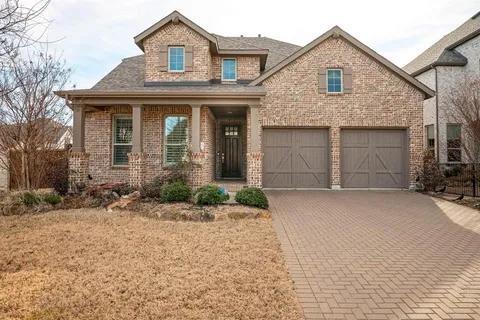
(223, 137)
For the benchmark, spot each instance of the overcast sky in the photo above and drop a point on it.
(96, 34)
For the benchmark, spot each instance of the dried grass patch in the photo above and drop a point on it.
(90, 264)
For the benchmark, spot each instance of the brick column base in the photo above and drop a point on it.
(197, 177)
(77, 170)
(136, 169)
(254, 169)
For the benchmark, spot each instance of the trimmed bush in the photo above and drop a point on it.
(210, 195)
(153, 189)
(176, 192)
(52, 198)
(123, 189)
(30, 199)
(253, 197)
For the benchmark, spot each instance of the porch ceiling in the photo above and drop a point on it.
(229, 112)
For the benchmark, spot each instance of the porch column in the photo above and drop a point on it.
(78, 128)
(137, 130)
(197, 178)
(136, 157)
(254, 154)
(78, 158)
(196, 108)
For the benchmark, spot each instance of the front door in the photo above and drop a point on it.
(232, 151)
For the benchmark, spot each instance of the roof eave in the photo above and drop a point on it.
(165, 94)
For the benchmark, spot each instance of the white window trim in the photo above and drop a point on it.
(168, 62)
(236, 69)
(165, 136)
(341, 80)
(114, 123)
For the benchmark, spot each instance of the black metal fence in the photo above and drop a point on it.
(462, 178)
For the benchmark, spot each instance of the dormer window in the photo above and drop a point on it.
(176, 59)
(334, 80)
(229, 69)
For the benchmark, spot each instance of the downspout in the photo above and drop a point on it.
(437, 129)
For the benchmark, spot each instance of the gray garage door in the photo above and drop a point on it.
(374, 158)
(295, 158)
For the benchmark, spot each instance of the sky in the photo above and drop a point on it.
(94, 35)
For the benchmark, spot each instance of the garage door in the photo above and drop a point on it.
(295, 158)
(374, 158)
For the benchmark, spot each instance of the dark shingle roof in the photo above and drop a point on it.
(277, 50)
(436, 51)
(130, 73)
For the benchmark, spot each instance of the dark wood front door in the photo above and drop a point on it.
(232, 151)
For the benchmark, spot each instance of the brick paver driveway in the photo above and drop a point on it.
(380, 255)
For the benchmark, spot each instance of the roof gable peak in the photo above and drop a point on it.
(174, 17)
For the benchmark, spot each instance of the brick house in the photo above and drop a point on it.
(442, 67)
(256, 110)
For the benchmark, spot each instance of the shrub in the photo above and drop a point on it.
(210, 194)
(30, 199)
(431, 176)
(253, 197)
(176, 192)
(123, 189)
(153, 189)
(52, 198)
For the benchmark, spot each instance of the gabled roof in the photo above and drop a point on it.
(338, 32)
(442, 52)
(175, 16)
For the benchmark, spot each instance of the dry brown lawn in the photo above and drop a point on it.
(89, 264)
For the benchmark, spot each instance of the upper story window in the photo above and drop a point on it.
(334, 80)
(176, 139)
(454, 143)
(229, 69)
(122, 139)
(176, 59)
(430, 137)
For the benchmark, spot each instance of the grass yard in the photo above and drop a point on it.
(90, 264)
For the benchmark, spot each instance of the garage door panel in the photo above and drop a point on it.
(308, 163)
(278, 180)
(310, 180)
(277, 138)
(311, 158)
(355, 159)
(373, 158)
(279, 159)
(391, 159)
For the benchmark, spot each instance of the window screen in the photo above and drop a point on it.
(122, 140)
(176, 59)
(176, 139)
(334, 81)
(454, 140)
(229, 69)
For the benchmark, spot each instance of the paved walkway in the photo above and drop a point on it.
(379, 255)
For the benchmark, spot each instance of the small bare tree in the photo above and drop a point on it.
(19, 26)
(464, 108)
(31, 115)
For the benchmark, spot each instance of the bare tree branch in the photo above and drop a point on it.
(464, 108)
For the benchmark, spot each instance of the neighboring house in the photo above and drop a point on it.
(442, 67)
(61, 139)
(328, 115)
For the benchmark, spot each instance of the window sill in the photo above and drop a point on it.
(119, 167)
(335, 93)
